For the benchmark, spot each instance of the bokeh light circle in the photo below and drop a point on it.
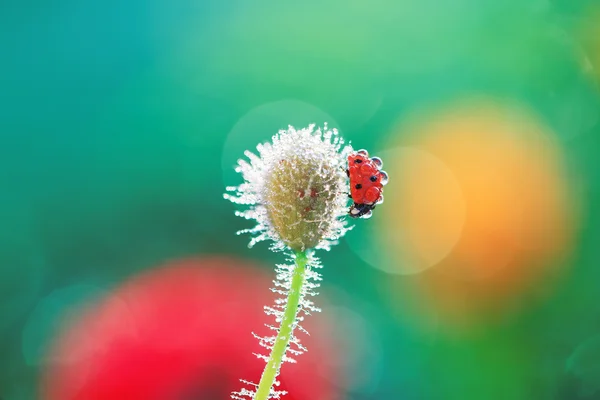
(261, 123)
(46, 319)
(571, 104)
(421, 219)
(583, 366)
(360, 349)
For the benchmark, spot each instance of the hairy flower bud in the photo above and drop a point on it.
(296, 189)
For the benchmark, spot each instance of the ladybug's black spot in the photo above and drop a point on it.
(357, 161)
(373, 178)
(358, 186)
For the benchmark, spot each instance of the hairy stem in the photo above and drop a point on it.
(286, 329)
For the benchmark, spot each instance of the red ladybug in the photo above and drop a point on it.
(366, 183)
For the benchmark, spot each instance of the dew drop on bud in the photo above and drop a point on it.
(363, 152)
(380, 201)
(367, 215)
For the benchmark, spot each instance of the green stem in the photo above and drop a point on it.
(286, 329)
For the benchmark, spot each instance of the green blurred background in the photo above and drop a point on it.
(120, 124)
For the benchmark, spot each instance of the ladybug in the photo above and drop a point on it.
(366, 183)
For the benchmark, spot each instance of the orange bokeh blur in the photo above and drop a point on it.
(506, 216)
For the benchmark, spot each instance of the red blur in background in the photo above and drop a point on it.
(182, 331)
